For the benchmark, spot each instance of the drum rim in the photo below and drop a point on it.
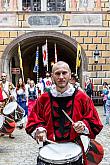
(3, 121)
(7, 105)
(61, 161)
(70, 160)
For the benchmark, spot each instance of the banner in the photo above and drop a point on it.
(78, 59)
(36, 67)
(20, 59)
(45, 54)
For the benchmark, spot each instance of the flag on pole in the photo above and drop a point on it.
(45, 54)
(55, 53)
(78, 59)
(36, 67)
(20, 59)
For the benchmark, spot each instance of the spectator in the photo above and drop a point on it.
(107, 106)
(89, 88)
(104, 95)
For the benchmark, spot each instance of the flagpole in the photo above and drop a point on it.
(22, 74)
(47, 55)
(55, 53)
(76, 64)
(38, 67)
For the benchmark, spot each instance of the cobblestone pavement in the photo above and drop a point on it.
(23, 149)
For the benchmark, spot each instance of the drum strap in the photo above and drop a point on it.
(84, 155)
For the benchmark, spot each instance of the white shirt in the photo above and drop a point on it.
(48, 82)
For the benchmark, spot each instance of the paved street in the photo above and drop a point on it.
(23, 149)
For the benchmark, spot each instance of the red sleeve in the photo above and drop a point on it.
(35, 119)
(91, 118)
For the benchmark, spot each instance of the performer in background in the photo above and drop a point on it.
(32, 96)
(47, 120)
(40, 86)
(7, 93)
(47, 82)
(21, 97)
(74, 81)
(27, 85)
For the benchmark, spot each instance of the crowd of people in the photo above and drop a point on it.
(23, 94)
(43, 104)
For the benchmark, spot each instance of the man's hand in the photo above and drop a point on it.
(40, 136)
(79, 127)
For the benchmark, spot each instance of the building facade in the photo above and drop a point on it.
(65, 23)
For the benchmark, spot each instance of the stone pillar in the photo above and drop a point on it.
(43, 5)
(19, 5)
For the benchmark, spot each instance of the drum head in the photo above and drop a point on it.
(9, 108)
(86, 141)
(2, 118)
(60, 153)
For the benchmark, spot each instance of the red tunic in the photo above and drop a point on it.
(1, 96)
(84, 110)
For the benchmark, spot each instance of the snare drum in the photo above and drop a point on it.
(13, 111)
(63, 153)
(7, 125)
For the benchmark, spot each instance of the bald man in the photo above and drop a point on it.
(47, 120)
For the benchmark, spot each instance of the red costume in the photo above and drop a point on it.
(82, 109)
(1, 96)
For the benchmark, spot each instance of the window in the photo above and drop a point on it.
(5, 4)
(56, 5)
(31, 5)
(36, 5)
(26, 5)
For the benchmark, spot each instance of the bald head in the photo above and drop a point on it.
(60, 64)
(61, 75)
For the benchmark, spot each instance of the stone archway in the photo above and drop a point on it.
(29, 41)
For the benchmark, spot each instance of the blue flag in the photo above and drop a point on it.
(36, 67)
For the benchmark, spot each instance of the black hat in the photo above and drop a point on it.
(75, 76)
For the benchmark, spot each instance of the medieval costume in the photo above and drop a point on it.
(78, 106)
(32, 95)
(21, 97)
(47, 114)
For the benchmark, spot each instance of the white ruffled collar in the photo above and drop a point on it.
(68, 92)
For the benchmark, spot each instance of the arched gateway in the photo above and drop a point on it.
(66, 51)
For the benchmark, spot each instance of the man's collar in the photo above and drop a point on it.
(68, 92)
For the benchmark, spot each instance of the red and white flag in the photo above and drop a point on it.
(55, 53)
(45, 54)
